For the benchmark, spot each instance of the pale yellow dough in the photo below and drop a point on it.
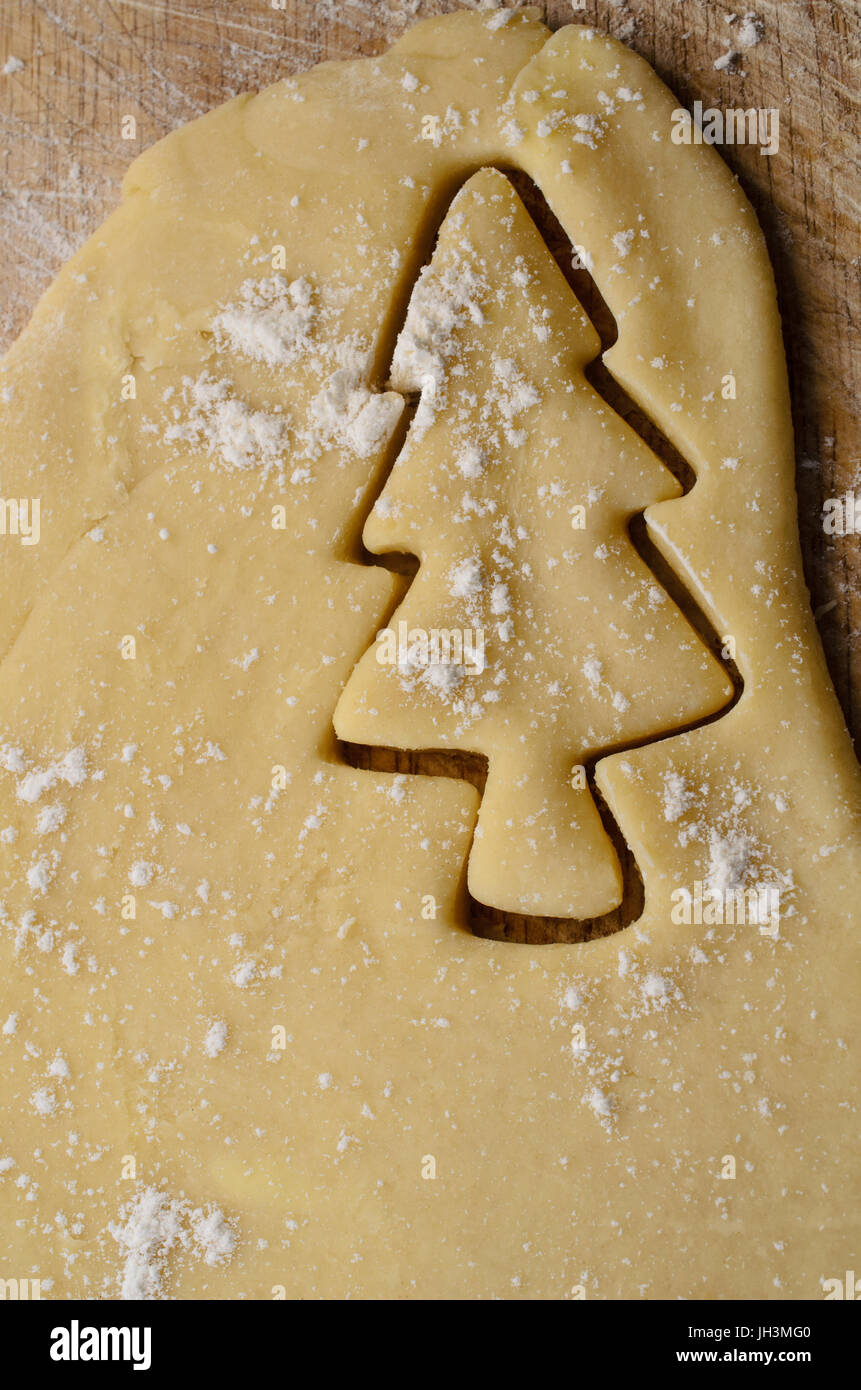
(333, 1091)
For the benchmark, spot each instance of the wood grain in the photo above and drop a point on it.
(89, 63)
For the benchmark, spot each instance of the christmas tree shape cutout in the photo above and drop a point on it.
(533, 633)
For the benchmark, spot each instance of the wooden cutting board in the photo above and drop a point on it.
(87, 64)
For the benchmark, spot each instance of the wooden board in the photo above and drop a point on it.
(89, 63)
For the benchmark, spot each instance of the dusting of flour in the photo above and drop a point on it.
(152, 1226)
(284, 326)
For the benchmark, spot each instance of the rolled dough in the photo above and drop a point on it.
(294, 1071)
